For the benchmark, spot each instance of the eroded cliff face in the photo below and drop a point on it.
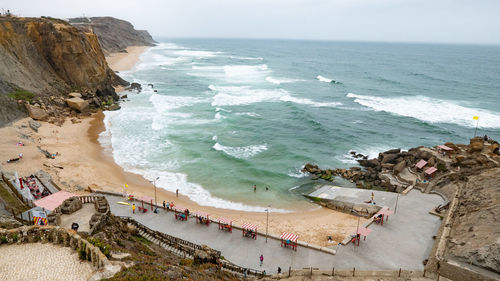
(51, 58)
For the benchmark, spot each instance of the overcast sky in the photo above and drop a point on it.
(441, 21)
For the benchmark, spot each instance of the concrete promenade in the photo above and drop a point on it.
(402, 242)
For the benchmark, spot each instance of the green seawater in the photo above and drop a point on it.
(229, 114)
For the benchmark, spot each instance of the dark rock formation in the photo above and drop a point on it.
(71, 205)
(135, 86)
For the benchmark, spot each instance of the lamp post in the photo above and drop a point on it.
(357, 228)
(154, 184)
(267, 220)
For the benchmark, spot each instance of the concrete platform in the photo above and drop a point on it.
(402, 242)
(356, 195)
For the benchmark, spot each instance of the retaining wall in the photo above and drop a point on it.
(55, 235)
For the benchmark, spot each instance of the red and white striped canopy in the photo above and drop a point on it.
(289, 236)
(225, 221)
(248, 226)
(202, 214)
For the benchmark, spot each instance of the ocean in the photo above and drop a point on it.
(228, 114)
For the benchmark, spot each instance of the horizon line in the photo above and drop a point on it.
(331, 40)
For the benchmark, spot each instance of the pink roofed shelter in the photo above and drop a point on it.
(421, 164)
(362, 231)
(445, 150)
(430, 172)
(53, 201)
(202, 217)
(249, 230)
(289, 239)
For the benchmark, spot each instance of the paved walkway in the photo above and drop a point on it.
(404, 241)
(82, 217)
(37, 261)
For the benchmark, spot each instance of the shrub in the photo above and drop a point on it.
(3, 239)
(105, 249)
(21, 95)
(186, 262)
(82, 253)
(441, 167)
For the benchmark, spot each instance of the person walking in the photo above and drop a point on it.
(163, 204)
(261, 259)
(177, 192)
(279, 270)
(133, 208)
(254, 188)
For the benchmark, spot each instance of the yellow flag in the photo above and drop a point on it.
(475, 117)
(126, 185)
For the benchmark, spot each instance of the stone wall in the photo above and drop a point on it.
(55, 235)
(366, 210)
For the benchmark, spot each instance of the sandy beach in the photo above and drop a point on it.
(82, 162)
(125, 61)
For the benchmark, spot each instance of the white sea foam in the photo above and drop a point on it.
(324, 79)
(134, 154)
(251, 114)
(245, 58)
(156, 60)
(218, 116)
(430, 110)
(169, 46)
(196, 53)
(218, 109)
(244, 152)
(164, 115)
(243, 95)
(240, 73)
(279, 81)
(245, 70)
(171, 181)
(371, 152)
(298, 173)
(288, 98)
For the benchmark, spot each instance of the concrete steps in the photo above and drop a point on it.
(165, 245)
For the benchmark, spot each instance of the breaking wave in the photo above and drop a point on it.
(279, 81)
(243, 152)
(327, 80)
(430, 110)
(309, 102)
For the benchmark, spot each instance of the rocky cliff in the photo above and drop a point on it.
(114, 35)
(42, 60)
